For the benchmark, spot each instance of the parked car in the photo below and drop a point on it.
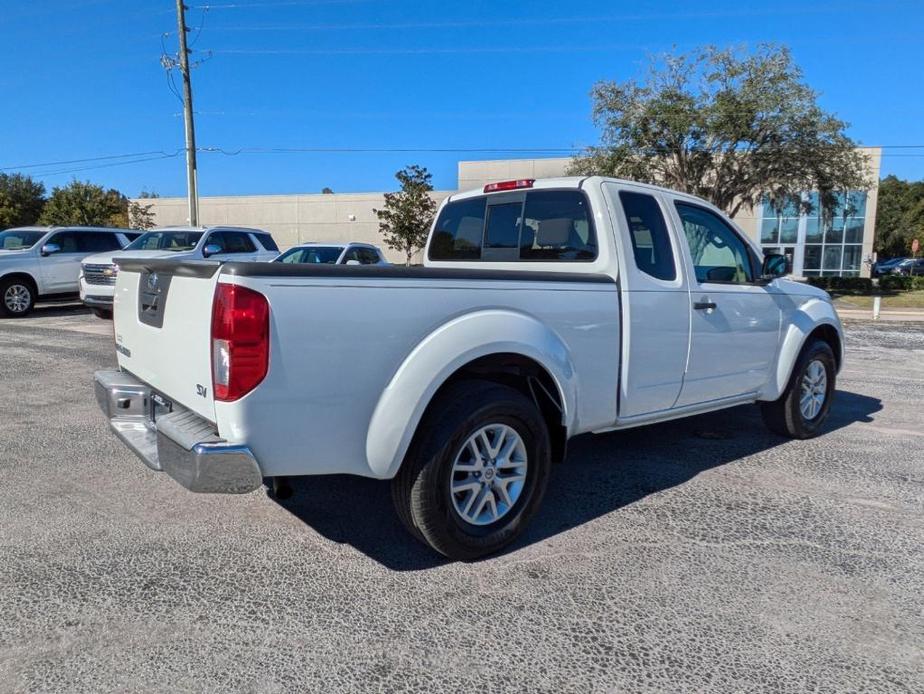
(98, 272)
(885, 267)
(44, 262)
(545, 309)
(334, 254)
(909, 266)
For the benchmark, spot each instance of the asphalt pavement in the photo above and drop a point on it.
(701, 555)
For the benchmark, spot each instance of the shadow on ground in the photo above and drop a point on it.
(602, 474)
(58, 309)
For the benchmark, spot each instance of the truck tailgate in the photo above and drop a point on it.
(162, 315)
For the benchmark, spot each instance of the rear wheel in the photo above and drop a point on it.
(803, 407)
(104, 313)
(476, 472)
(17, 297)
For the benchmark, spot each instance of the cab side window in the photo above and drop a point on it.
(719, 254)
(67, 240)
(651, 243)
(352, 254)
(97, 242)
(367, 256)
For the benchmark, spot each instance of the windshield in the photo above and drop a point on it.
(19, 239)
(165, 241)
(315, 254)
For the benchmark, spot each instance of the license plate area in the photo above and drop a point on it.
(152, 297)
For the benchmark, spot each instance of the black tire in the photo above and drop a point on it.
(421, 490)
(104, 313)
(784, 416)
(22, 288)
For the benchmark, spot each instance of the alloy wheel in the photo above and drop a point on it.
(488, 474)
(814, 390)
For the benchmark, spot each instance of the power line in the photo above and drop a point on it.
(42, 174)
(89, 159)
(155, 155)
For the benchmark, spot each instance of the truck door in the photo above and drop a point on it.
(655, 302)
(735, 319)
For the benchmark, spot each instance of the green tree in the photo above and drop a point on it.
(85, 204)
(899, 216)
(726, 125)
(139, 214)
(21, 200)
(405, 221)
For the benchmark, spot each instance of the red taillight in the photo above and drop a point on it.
(240, 341)
(509, 185)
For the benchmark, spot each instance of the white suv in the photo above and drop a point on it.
(44, 262)
(98, 273)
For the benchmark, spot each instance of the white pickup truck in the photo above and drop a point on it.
(545, 309)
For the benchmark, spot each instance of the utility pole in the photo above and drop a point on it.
(191, 181)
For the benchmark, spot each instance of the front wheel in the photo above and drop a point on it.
(17, 297)
(476, 472)
(803, 407)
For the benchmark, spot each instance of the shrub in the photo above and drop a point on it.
(850, 284)
(896, 282)
(917, 282)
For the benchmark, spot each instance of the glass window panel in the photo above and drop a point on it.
(787, 208)
(835, 232)
(557, 226)
(856, 203)
(840, 206)
(832, 258)
(459, 229)
(791, 208)
(813, 202)
(812, 258)
(769, 230)
(854, 231)
(719, 254)
(503, 228)
(789, 230)
(813, 230)
(651, 243)
(852, 257)
(811, 273)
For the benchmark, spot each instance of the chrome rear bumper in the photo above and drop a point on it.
(178, 442)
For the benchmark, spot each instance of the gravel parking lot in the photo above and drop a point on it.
(701, 555)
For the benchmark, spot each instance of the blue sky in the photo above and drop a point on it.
(82, 79)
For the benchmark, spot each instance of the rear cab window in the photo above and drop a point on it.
(540, 225)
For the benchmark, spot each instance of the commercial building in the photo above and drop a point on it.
(840, 246)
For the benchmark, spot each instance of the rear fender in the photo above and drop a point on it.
(443, 352)
(811, 315)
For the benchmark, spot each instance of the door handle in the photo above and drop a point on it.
(704, 305)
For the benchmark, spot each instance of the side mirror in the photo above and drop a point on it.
(211, 249)
(50, 248)
(353, 262)
(774, 265)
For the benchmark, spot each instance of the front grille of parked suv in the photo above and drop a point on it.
(100, 274)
